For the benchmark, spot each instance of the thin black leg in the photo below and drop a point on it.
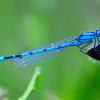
(98, 39)
(85, 46)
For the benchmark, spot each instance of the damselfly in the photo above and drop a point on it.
(41, 54)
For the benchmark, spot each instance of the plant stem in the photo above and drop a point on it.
(32, 85)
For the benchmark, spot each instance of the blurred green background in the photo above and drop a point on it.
(25, 24)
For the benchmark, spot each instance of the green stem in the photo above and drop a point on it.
(32, 85)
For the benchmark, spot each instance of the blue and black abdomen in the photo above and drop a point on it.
(41, 54)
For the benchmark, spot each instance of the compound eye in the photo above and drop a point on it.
(98, 31)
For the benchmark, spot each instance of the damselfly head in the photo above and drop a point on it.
(94, 52)
(98, 32)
